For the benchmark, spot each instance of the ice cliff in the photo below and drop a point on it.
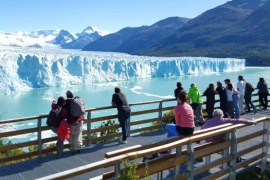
(21, 69)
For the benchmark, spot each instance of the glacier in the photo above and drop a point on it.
(26, 68)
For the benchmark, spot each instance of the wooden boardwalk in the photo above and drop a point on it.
(48, 165)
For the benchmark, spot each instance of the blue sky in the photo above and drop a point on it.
(108, 15)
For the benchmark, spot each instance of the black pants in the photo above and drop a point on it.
(263, 99)
(248, 102)
(124, 118)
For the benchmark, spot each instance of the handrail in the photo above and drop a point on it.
(157, 116)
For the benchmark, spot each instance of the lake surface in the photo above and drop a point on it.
(38, 101)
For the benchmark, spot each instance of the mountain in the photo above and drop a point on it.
(88, 35)
(236, 29)
(51, 38)
(131, 40)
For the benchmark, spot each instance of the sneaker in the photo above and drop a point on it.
(255, 111)
(74, 152)
(122, 141)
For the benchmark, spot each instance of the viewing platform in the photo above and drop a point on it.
(48, 165)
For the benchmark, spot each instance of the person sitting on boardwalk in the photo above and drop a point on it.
(219, 120)
(184, 118)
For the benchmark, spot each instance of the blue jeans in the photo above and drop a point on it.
(124, 118)
(171, 130)
(236, 105)
(198, 114)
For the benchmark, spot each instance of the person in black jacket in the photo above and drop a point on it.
(221, 91)
(178, 89)
(263, 93)
(119, 100)
(248, 93)
(210, 93)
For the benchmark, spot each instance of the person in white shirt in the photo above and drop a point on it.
(241, 86)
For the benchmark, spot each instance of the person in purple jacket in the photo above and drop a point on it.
(219, 120)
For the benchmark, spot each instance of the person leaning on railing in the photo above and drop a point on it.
(219, 120)
(184, 118)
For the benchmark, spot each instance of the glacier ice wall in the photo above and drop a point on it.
(22, 69)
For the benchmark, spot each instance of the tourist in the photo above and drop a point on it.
(263, 93)
(60, 114)
(120, 101)
(219, 120)
(210, 99)
(241, 86)
(221, 91)
(248, 93)
(229, 93)
(235, 97)
(184, 118)
(178, 89)
(76, 126)
(195, 96)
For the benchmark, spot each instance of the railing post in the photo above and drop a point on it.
(89, 142)
(266, 145)
(232, 175)
(39, 138)
(190, 162)
(160, 115)
(177, 168)
(225, 152)
(116, 169)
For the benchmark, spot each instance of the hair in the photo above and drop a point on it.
(117, 90)
(240, 77)
(217, 112)
(230, 86)
(60, 101)
(262, 79)
(227, 80)
(183, 96)
(219, 83)
(193, 85)
(212, 87)
(178, 84)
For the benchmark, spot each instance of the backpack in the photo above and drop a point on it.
(77, 107)
(249, 88)
(54, 117)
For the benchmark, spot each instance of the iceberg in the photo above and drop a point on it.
(26, 68)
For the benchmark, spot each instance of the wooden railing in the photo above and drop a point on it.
(152, 119)
(256, 154)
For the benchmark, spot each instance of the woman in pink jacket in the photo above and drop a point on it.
(184, 118)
